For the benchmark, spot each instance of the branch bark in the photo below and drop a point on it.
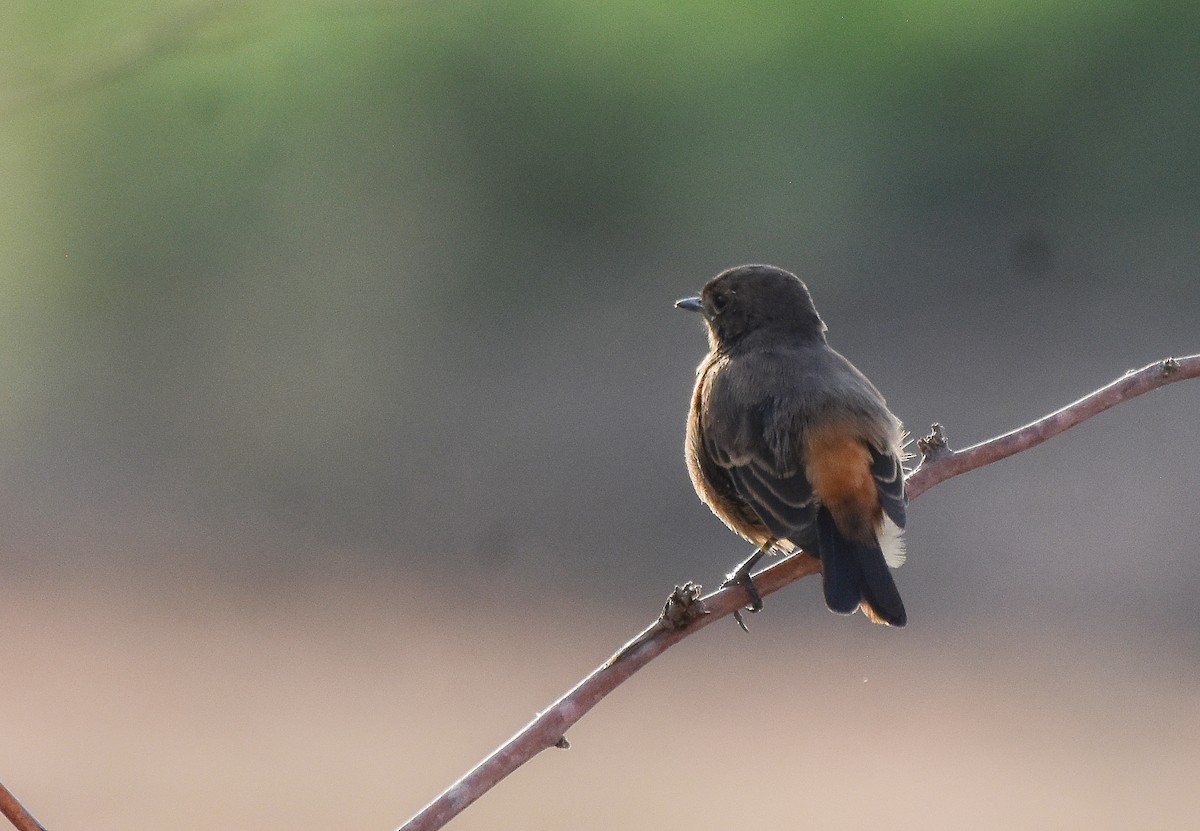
(21, 819)
(939, 462)
(688, 611)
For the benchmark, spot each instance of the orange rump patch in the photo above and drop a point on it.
(838, 465)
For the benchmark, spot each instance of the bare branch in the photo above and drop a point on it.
(939, 462)
(687, 612)
(21, 819)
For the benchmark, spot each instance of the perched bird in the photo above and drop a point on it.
(791, 446)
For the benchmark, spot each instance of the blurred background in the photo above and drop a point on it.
(343, 399)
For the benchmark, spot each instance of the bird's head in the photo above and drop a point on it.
(751, 299)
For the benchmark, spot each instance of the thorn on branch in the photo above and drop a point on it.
(683, 605)
(934, 446)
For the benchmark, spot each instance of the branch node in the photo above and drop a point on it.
(1169, 367)
(683, 606)
(562, 743)
(934, 446)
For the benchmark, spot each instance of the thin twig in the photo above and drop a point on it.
(687, 612)
(939, 462)
(21, 819)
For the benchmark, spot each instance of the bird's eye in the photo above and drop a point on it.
(719, 301)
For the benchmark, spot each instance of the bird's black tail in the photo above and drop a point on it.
(855, 574)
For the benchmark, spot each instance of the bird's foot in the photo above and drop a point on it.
(741, 577)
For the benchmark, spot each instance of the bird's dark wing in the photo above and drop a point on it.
(784, 504)
(764, 461)
(889, 483)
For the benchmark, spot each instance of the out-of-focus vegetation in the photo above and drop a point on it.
(353, 266)
(288, 290)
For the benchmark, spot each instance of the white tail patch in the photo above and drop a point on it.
(891, 540)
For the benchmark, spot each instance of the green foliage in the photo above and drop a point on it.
(269, 226)
(167, 136)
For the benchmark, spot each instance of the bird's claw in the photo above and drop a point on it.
(737, 615)
(742, 578)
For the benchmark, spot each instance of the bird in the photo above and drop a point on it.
(791, 446)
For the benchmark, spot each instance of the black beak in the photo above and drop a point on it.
(690, 304)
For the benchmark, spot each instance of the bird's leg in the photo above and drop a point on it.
(741, 577)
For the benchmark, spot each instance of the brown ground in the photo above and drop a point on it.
(187, 705)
